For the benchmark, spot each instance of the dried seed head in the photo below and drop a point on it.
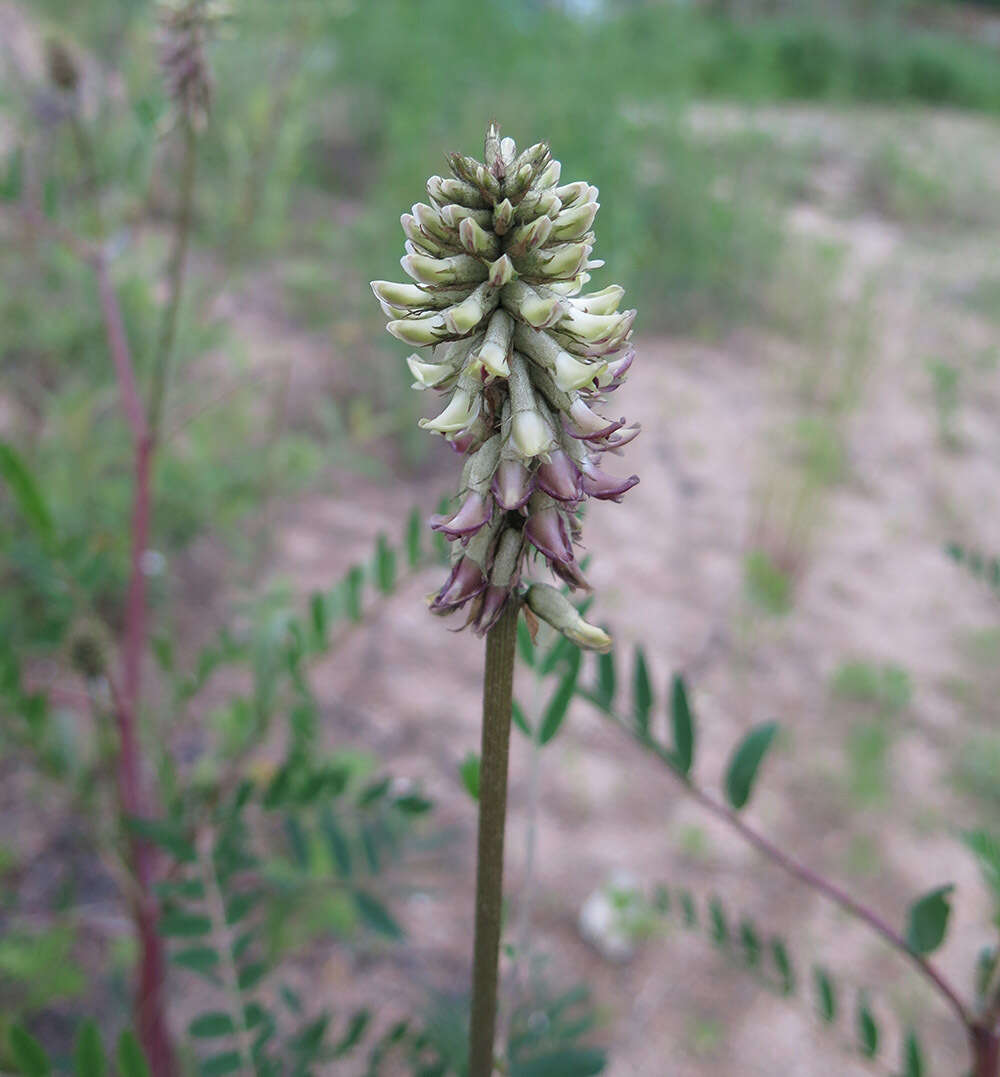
(500, 259)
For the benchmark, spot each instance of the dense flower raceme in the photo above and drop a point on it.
(499, 258)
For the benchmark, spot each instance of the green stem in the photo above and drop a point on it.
(498, 686)
(175, 281)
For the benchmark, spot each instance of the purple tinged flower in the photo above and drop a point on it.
(620, 438)
(466, 441)
(505, 574)
(559, 478)
(617, 369)
(491, 605)
(605, 487)
(546, 531)
(589, 425)
(465, 581)
(470, 517)
(569, 573)
(512, 485)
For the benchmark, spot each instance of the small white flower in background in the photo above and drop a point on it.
(500, 258)
(614, 918)
(152, 563)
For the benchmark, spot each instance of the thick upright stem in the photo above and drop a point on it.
(498, 686)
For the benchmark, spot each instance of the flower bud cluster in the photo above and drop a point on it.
(499, 257)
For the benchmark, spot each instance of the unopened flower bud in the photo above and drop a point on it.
(503, 214)
(465, 316)
(457, 269)
(496, 345)
(477, 241)
(527, 305)
(553, 607)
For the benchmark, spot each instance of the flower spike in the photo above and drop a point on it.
(498, 261)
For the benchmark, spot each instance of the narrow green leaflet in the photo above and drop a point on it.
(26, 492)
(166, 833)
(353, 583)
(604, 694)
(525, 648)
(742, 771)
(355, 1030)
(689, 910)
(201, 959)
(783, 965)
(519, 718)
(208, 1025)
(376, 916)
(251, 975)
(642, 692)
(337, 843)
(240, 905)
(414, 536)
(560, 651)
(412, 804)
(131, 1060)
(750, 941)
(868, 1036)
(469, 771)
(826, 995)
(718, 926)
(88, 1052)
(385, 565)
(220, 1065)
(318, 617)
(28, 1053)
(682, 722)
(562, 1062)
(927, 923)
(986, 849)
(558, 705)
(184, 925)
(913, 1057)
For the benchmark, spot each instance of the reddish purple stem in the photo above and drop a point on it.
(150, 1000)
